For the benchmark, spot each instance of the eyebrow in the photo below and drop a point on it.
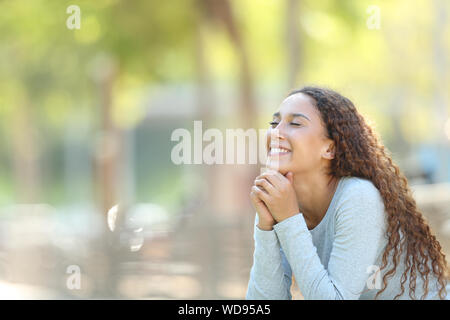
(277, 114)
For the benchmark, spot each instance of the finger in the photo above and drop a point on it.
(267, 173)
(264, 177)
(257, 201)
(273, 178)
(260, 193)
(266, 185)
(281, 178)
(254, 196)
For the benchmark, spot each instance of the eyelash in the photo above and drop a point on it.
(295, 124)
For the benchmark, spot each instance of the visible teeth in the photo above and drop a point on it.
(278, 150)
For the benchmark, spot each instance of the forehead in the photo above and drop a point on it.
(298, 103)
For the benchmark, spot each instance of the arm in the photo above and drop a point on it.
(359, 234)
(269, 278)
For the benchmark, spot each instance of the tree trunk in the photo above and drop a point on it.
(293, 42)
(25, 154)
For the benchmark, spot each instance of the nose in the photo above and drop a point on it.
(276, 134)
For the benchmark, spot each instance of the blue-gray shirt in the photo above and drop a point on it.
(338, 259)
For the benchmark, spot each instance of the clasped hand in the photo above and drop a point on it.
(277, 193)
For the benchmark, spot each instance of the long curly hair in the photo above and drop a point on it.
(359, 153)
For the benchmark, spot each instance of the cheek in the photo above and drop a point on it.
(306, 147)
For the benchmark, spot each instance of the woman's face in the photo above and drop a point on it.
(297, 129)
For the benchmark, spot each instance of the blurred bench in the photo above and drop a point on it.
(432, 194)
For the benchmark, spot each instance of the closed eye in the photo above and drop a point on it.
(273, 123)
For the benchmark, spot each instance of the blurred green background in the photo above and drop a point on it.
(86, 117)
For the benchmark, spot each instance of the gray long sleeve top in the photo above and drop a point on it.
(340, 258)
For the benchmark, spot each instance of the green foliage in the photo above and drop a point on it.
(49, 70)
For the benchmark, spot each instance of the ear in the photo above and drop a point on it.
(329, 152)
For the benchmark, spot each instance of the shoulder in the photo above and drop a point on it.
(354, 188)
(359, 198)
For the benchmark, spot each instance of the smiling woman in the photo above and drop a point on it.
(336, 210)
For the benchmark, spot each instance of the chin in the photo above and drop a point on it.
(281, 168)
(283, 171)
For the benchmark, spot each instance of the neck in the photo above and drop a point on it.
(314, 193)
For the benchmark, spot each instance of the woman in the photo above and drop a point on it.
(336, 213)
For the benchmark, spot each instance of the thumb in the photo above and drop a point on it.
(290, 177)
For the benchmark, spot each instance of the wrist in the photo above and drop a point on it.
(265, 227)
(288, 216)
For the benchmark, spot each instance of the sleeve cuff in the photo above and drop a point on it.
(287, 226)
(265, 236)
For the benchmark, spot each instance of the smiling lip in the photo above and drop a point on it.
(278, 152)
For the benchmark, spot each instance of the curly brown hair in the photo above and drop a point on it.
(359, 153)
